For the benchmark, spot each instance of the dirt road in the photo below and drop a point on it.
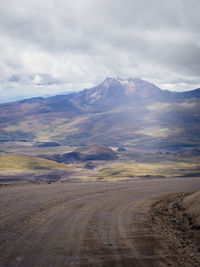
(84, 224)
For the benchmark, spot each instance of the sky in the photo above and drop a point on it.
(57, 46)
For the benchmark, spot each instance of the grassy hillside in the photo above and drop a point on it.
(149, 170)
(13, 162)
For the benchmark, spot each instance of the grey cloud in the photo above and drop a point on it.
(80, 42)
(37, 79)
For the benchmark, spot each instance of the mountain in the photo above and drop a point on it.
(89, 152)
(116, 92)
(118, 112)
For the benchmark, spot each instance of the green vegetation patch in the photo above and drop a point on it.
(149, 170)
(13, 162)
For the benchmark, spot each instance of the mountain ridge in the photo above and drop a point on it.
(130, 112)
(107, 81)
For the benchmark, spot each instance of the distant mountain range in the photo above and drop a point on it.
(128, 112)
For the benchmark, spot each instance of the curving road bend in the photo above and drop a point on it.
(84, 224)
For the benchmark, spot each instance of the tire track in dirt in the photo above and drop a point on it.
(88, 224)
(105, 236)
(35, 229)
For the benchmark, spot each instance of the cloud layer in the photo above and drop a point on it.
(50, 47)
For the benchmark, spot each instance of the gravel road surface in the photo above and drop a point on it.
(84, 224)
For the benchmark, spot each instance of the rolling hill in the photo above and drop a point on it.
(118, 112)
(90, 152)
(16, 162)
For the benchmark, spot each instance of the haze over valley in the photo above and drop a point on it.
(99, 133)
(130, 112)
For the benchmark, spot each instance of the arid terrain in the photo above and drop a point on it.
(90, 224)
(108, 176)
(100, 133)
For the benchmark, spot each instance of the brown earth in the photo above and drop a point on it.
(177, 219)
(86, 223)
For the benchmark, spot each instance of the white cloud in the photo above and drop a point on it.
(53, 46)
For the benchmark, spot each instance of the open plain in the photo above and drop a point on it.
(86, 223)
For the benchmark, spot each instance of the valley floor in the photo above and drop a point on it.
(86, 223)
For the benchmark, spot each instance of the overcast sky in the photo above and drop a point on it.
(50, 47)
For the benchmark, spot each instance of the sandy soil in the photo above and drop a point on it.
(85, 224)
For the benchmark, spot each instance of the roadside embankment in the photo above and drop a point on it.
(177, 219)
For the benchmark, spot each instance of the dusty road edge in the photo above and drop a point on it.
(178, 230)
